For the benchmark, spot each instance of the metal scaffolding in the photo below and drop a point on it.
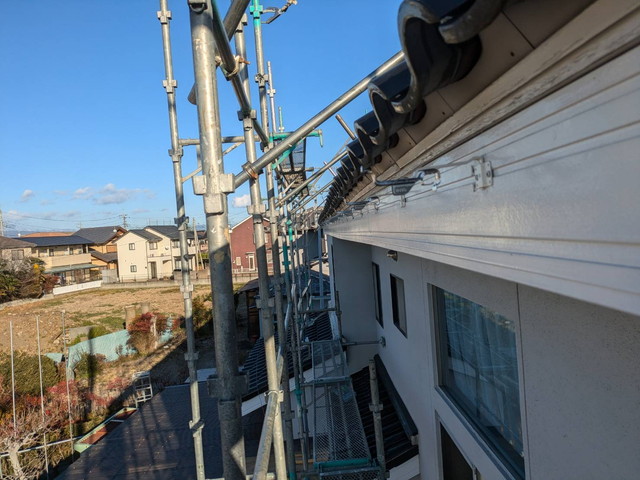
(294, 301)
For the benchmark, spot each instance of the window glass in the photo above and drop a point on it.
(376, 294)
(398, 304)
(153, 245)
(133, 268)
(132, 246)
(479, 371)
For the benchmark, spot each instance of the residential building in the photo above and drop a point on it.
(243, 249)
(497, 248)
(67, 257)
(152, 253)
(14, 250)
(103, 249)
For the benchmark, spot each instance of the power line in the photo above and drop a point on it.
(19, 216)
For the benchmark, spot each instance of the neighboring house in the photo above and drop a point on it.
(67, 257)
(151, 253)
(103, 249)
(243, 250)
(14, 250)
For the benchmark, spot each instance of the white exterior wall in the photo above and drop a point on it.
(137, 257)
(553, 245)
(578, 378)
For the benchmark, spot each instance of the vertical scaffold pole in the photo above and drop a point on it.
(275, 241)
(266, 311)
(176, 152)
(228, 385)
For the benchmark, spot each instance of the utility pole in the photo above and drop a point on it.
(124, 221)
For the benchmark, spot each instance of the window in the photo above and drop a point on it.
(153, 245)
(132, 246)
(454, 465)
(252, 261)
(175, 243)
(17, 254)
(377, 298)
(133, 268)
(397, 302)
(269, 257)
(51, 253)
(479, 372)
(238, 261)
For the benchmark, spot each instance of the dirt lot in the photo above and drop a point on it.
(93, 307)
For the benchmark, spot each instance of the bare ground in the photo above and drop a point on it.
(93, 307)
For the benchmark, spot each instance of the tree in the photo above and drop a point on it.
(145, 330)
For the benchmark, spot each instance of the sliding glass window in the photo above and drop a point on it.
(479, 372)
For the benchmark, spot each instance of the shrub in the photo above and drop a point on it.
(27, 376)
(202, 312)
(89, 365)
(141, 334)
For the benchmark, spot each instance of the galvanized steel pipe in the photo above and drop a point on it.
(229, 386)
(266, 314)
(251, 171)
(164, 15)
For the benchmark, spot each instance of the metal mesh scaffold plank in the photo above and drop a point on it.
(340, 447)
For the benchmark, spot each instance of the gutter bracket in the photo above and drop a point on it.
(482, 173)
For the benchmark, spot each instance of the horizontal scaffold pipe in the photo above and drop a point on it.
(312, 178)
(252, 170)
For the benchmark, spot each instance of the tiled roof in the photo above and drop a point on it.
(397, 425)
(6, 242)
(156, 441)
(171, 231)
(146, 235)
(59, 241)
(441, 45)
(98, 235)
(105, 257)
(255, 366)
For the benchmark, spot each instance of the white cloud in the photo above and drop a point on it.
(26, 195)
(110, 194)
(83, 193)
(241, 201)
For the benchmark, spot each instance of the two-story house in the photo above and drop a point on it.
(66, 256)
(103, 250)
(151, 253)
(243, 249)
(14, 250)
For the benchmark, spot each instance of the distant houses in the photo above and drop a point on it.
(153, 253)
(67, 257)
(114, 254)
(103, 248)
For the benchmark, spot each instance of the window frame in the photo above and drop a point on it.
(133, 268)
(501, 456)
(153, 245)
(132, 246)
(377, 294)
(399, 308)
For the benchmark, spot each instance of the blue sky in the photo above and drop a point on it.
(83, 122)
